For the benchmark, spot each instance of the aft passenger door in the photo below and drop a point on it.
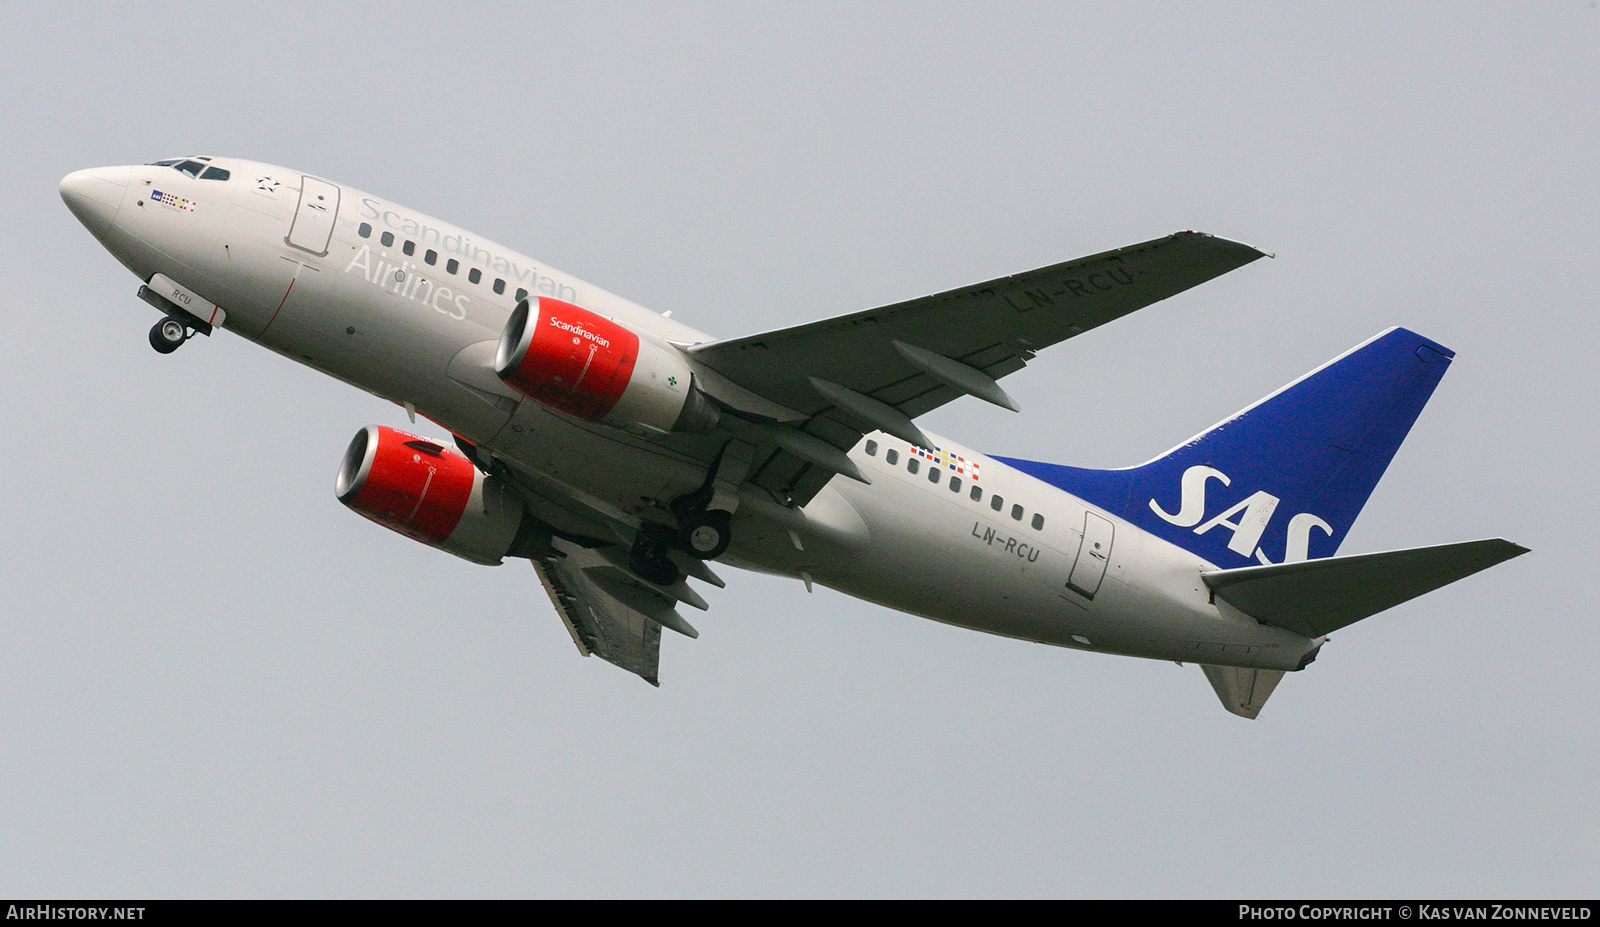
(1094, 552)
(313, 218)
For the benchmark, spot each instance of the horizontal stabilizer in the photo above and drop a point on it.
(1317, 597)
(1243, 691)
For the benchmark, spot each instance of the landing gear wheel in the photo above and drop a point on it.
(168, 335)
(706, 535)
(655, 568)
(648, 559)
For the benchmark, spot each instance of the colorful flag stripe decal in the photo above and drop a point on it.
(176, 202)
(941, 458)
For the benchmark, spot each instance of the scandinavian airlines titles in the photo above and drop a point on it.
(467, 250)
(403, 280)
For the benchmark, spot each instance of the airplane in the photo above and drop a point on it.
(621, 451)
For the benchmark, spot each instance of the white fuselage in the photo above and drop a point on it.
(358, 307)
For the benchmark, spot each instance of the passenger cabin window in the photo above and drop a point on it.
(410, 248)
(499, 286)
(996, 503)
(977, 494)
(364, 230)
(872, 448)
(453, 265)
(955, 484)
(891, 457)
(475, 275)
(933, 473)
(521, 294)
(913, 464)
(430, 257)
(1038, 522)
(387, 238)
(1016, 513)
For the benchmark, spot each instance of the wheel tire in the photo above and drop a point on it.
(648, 559)
(658, 570)
(168, 335)
(706, 536)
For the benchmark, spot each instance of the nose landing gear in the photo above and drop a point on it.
(168, 335)
(177, 324)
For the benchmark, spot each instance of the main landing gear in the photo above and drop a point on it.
(648, 559)
(703, 535)
(168, 335)
(705, 516)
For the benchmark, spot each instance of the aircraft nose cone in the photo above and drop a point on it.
(95, 195)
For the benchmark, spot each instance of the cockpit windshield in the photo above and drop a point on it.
(193, 167)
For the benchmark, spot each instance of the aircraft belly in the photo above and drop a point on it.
(937, 557)
(1165, 599)
(925, 560)
(626, 471)
(820, 540)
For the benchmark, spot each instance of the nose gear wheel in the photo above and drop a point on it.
(168, 335)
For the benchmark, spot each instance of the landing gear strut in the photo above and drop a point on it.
(177, 324)
(168, 335)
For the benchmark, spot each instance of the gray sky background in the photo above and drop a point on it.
(215, 680)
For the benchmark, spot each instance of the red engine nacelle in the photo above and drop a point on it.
(594, 368)
(429, 493)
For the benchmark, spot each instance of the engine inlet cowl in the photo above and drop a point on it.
(429, 493)
(595, 368)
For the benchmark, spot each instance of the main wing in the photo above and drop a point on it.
(609, 612)
(912, 357)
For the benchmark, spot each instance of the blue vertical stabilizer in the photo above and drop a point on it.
(1285, 479)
